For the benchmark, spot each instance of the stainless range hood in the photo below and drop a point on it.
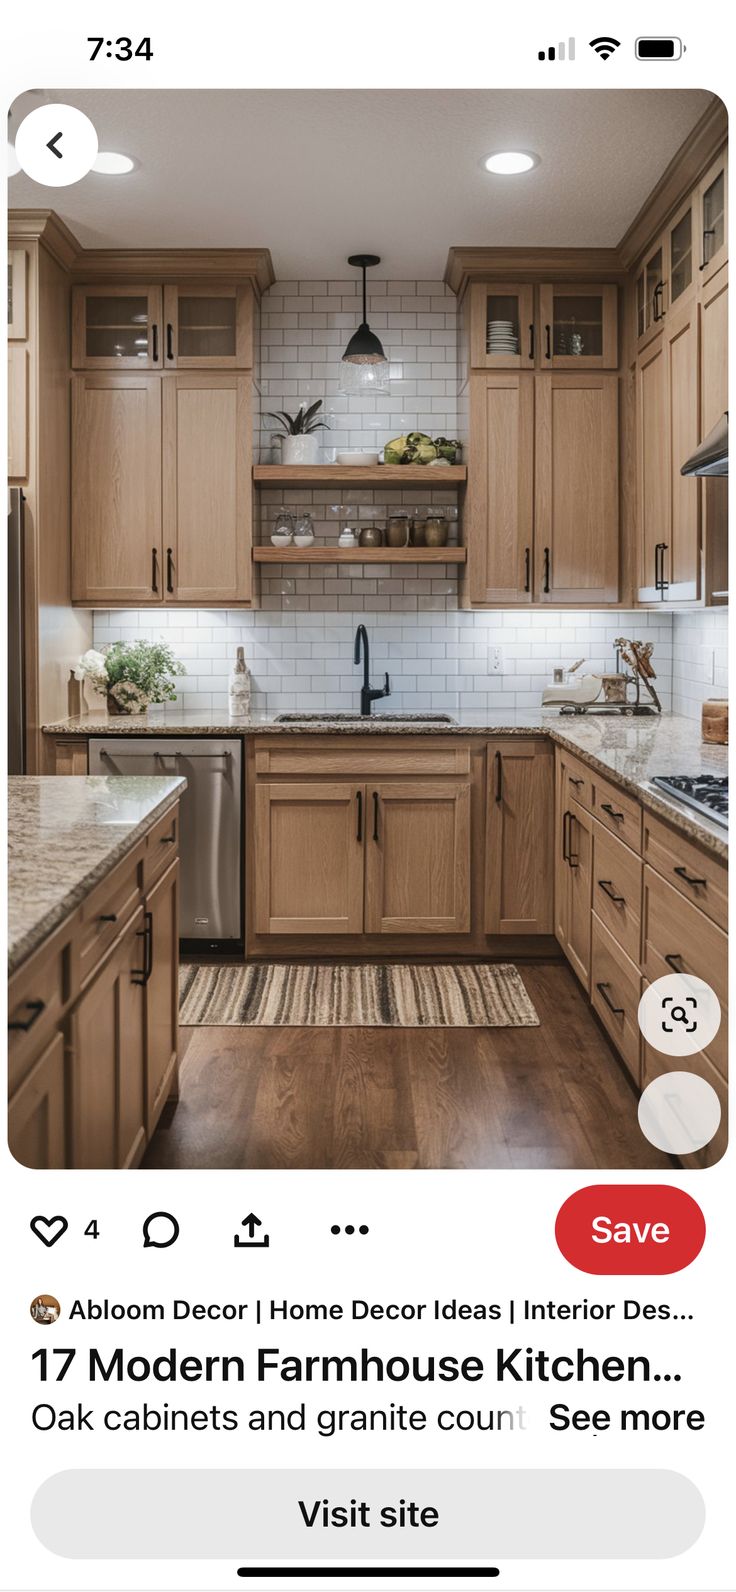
(711, 458)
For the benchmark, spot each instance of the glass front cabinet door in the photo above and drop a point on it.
(502, 329)
(652, 295)
(713, 219)
(680, 263)
(208, 326)
(116, 328)
(579, 327)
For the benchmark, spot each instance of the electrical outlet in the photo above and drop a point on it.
(495, 660)
(708, 662)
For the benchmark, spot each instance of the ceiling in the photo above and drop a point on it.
(316, 175)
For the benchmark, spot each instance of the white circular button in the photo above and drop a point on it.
(679, 1014)
(56, 145)
(679, 1112)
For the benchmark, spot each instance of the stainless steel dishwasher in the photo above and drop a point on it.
(211, 826)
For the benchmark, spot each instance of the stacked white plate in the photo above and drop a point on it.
(501, 338)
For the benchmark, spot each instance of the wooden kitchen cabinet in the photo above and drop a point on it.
(652, 295)
(573, 886)
(309, 858)
(208, 326)
(713, 218)
(116, 489)
(117, 327)
(499, 515)
(652, 459)
(17, 412)
(107, 1079)
(162, 992)
(417, 876)
(576, 488)
(668, 425)
(17, 294)
(206, 488)
(36, 1126)
(508, 302)
(714, 350)
(519, 837)
(579, 326)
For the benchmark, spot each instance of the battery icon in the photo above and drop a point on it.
(658, 49)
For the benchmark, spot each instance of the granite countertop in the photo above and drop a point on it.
(629, 750)
(64, 836)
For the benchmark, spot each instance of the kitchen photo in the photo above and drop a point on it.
(368, 630)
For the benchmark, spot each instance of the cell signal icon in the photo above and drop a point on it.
(605, 46)
(558, 52)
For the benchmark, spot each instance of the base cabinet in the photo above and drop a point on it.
(309, 858)
(519, 838)
(418, 857)
(108, 1058)
(162, 993)
(36, 1134)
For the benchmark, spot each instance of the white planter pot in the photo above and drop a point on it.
(300, 450)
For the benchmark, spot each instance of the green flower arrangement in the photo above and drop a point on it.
(133, 674)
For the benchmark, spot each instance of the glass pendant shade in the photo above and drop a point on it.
(364, 367)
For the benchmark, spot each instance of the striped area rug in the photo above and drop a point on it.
(277, 994)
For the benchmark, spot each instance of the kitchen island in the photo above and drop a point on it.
(93, 961)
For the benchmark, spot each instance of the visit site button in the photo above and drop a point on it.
(630, 1228)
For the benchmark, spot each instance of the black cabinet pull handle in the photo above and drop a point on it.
(108, 917)
(658, 315)
(154, 331)
(35, 1008)
(548, 342)
(167, 840)
(708, 232)
(375, 815)
(169, 341)
(546, 569)
(607, 887)
(141, 975)
(660, 584)
(531, 341)
(618, 1011)
(576, 782)
(607, 808)
(567, 855)
(359, 799)
(671, 958)
(689, 878)
(148, 917)
(154, 569)
(169, 570)
(499, 776)
(527, 569)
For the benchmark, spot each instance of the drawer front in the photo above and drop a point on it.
(697, 876)
(106, 912)
(162, 845)
(653, 1066)
(36, 1000)
(615, 992)
(362, 761)
(672, 928)
(577, 783)
(617, 884)
(618, 812)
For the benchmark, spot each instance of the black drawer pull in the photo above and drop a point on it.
(499, 776)
(167, 840)
(682, 873)
(671, 958)
(35, 1008)
(606, 886)
(375, 815)
(141, 975)
(576, 782)
(359, 799)
(607, 808)
(618, 1011)
(108, 917)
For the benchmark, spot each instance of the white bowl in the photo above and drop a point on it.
(303, 541)
(281, 541)
(357, 456)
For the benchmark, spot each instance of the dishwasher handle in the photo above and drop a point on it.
(118, 756)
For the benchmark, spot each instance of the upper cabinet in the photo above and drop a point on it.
(180, 326)
(713, 218)
(651, 295)
(117, 328)
(208, 327)
(571, 327)
(17, 294)
(116, 489)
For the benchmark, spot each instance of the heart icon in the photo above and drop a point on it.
(55, 1228)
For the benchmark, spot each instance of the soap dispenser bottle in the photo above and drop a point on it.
(239, 689)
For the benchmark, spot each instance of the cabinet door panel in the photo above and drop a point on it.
(36, 1133)
(577, 510)
(207, 496)
(713, 217)
(116, 489)
(108, 1047)
(17, 412)
(713, 404)
(209, 327)
(418, 857)
(309, 858)
(500, 501)
(580, 868)
(519, 838)
(162, 992)
(652, 467)
(682, 560)
(116, 327)
(502, 335)
(579, 326)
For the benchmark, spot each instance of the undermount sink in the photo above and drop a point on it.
(361, 718)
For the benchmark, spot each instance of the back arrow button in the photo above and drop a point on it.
(52, 146)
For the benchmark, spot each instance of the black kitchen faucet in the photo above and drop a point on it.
(368, 694)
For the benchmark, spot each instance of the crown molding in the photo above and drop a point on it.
(475, 264)
(693, 158)
(44, 226)
(128, 265)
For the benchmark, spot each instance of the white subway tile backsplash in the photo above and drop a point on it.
(699, 659)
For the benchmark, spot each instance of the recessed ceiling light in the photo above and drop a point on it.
(510, 162)
(112, 164)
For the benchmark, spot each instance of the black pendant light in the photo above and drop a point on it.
(364, 366)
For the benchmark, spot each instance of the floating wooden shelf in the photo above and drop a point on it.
(394, 475)
(359, 555)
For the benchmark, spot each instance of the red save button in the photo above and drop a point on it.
(616, 1228)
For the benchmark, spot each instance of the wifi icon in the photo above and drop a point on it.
(604, 46)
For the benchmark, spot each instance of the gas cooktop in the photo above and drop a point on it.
(707, 793)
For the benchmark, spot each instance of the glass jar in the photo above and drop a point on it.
(418, 532)
(283, 524)
(436, 530)
(398, 530)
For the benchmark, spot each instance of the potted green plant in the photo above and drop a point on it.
(131, 674)
(300, 441)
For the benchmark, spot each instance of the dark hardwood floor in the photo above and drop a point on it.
(553, 1096)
